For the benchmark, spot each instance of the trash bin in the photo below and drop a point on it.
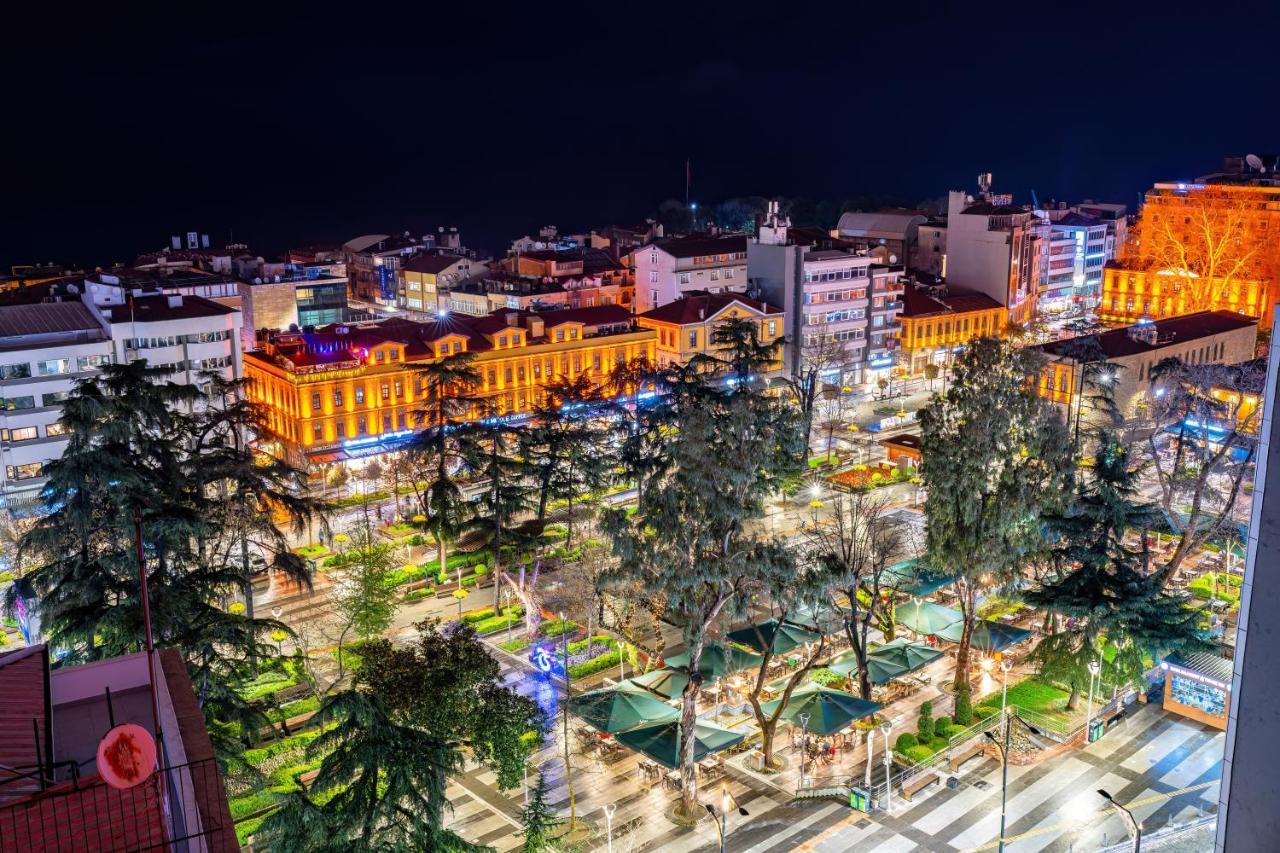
(1095, 730)
(859, 799)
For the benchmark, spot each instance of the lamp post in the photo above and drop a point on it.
(1094, 668)
(1005, 666)
(609, 809)
(886, 728)
(721, 820)
(804, 743)
(1004, 760)
(1130, 821)
(871, 748)
(506, 608)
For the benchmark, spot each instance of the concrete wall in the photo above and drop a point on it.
(1248, 819)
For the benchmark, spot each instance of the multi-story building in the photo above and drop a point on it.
(1209, 337)
(488, 292)
(929, 256)
(46, 347)
(893, 233)
(1131, 293)
(841, 306)
(351, 390)
(1072, 262)
(374, 261)
(425, 276)
(686, 327)
(59, 792)
(936, 326)
(667, 269)
(993, 248)
(299, 297)
(1116, 217)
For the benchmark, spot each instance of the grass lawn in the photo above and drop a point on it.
(1035, 696)
(311, 552)
(1228, 588)
(818, 460)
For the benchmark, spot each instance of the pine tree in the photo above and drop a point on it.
(538, 820)
(995, 456)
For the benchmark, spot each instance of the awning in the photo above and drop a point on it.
(664, 682)
(619, 709)
(926, 617)
(327, 457)
(782, 637)
(717, 660)
(889, 661)
(662, 743)
(1211, 667)
(987, 636)
(910, 578)
(829, 710)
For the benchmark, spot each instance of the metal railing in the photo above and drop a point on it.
(176, 809)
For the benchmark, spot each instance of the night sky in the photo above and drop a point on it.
(306, 124)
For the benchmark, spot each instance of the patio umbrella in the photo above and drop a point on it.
(925, 617)
(987, 636)
(782, 637)
(880, 671)
(662, 743)
(618, 709)
(821, 617)
(718, 660)
(903, 655)
(829, 710)
(664, 682)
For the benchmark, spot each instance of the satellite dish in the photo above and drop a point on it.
(1255, 162)
(126, 756)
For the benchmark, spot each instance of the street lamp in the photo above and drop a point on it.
(804, 743)
(726, 803)
(609, 809)
(1005, 666)
(871, 748)
(276, 613)
(1094, 668)
(1130, 821)
(1004, 759)
(886, 728)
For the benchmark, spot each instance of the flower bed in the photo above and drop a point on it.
(515, 645)
(866, 477)
(311, 552)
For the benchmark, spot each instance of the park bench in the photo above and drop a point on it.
(973, 750)
(918, 783)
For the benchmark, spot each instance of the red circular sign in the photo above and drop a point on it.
(126, 756)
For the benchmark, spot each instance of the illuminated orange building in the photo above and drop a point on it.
(933, 326)
(685, 327)
(1129, 295)
(346, 390)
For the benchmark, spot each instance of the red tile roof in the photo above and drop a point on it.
(697, 305)
(917, 302)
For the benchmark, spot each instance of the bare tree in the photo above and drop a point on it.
(1212, 413)
(821, 352)
(852, 554)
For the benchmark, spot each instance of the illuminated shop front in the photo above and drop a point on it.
(1198, 686)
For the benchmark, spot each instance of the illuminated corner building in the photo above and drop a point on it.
(293, 296)
(993, 247)
(686, 327)
(374, 261)
(1210, 337)
(54, 796)
(841, 306)
(1071, 263)
(490, 291)
(1130, 293)
(424, 277)
(934, 327)
(668, 268)
(346, 391)
(1246, 394)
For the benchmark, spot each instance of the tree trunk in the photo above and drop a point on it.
(962, 654)
(689, 809)
(1073, 701)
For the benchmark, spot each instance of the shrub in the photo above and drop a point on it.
(942, 728)
(597, 641)
(514, 645)
(418, 594)
(596, 664)
(924, 725)
(242, 807)
(938, 743)
(556, 627)
(416, 539)
(481, 570)
(905, 741)
(827, 678)
(983, 711)
(498, 621)
(919, 753)
(964, 707)
(246, 828)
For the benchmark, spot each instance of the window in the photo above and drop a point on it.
(362, 425)
(359, 396)
(54, 398)
(53, 367)
(502, 340)
(380, 356)
(773, 328)
(56, 429)
(693, 339)
(653, 297)
(92, 362)
(337, 398)
(12, 403)
(715, 275)
(573, 334)
(386, 422)
(684, 278)
(23, 472)
(506, 375)
(15, 371)
(315, 401)
(24, 434)
(386, 391)
(493, 376)
(399, 388)
(653, 276)
(520, 373)
(317, 432)
(559, 334)
(728, 273)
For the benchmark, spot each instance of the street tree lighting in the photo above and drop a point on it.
(1131, 822)
(1094, 668)
(886, 728)
(1004, 760)
(721, 819)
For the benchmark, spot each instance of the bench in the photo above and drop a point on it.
(918, 784)
(973, 750)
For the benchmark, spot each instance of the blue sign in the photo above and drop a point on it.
(546, 661)
(387, 283)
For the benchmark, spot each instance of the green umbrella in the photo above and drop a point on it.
(665, 682)
(903, 655)
(925, 617)
(817, 618)
(987, 636)
(881, 671)
(910, 578)
(617, 709)
(662, 743)
(783, 637)
(829, 710)
(718, 660)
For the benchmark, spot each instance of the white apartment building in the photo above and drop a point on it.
(993, 247)
(46, 347)
(667, 269)
(839, 302)
(1071, 264)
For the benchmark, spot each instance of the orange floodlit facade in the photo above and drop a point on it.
(1129, 295)
(348, 390)
(934, 326)
(686, 327)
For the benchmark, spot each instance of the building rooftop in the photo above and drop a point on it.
(698, 245)
(890, 226)
(986, 208)
(46, 319)
(917, 302)
(1173, 330)
(160, 307)
(698, 305)
(431, 263)
(1079, 220)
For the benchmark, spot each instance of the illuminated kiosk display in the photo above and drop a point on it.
(1198, 686)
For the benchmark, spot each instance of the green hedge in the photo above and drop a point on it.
(254, 757)
(596, 641)
(295, 708)
(556, 627)
(246, 828)
(596, 664)
(515, 645)
(266, 684)
(511, 615)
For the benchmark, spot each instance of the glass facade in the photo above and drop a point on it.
(1194, 694)
(321, 303)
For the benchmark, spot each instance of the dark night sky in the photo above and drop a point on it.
(297, 125)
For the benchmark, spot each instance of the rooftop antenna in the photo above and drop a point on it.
(1255, 162)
